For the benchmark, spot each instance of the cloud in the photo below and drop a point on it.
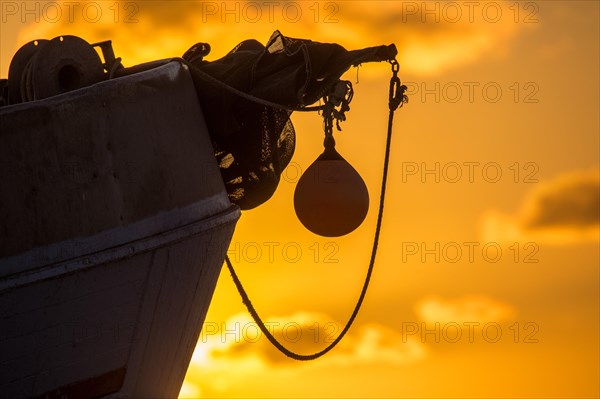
(570, 201)
(304, 332)
(432, 37)
(563, 211)
(468, 309)
(428, 42)
(236, 345)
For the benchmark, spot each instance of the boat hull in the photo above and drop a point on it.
(124, 320)
(114, 223)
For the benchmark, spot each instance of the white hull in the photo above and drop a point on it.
(105, 279)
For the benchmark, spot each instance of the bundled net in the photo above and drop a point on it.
(254, 142)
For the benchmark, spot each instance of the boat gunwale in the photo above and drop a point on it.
(160, 66)
(123, 250)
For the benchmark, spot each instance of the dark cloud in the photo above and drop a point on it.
(570, 202)
(427, 43)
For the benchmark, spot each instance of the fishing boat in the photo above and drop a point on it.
(115, 222)
(118, 200)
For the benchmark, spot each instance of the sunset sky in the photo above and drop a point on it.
(487, 279)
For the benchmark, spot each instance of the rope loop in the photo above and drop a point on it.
(397, 97)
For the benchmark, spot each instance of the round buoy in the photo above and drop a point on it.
(331, 198)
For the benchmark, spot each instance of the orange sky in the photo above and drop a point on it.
(509, 117)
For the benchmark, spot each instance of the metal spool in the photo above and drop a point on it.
(65, 63)
(45, 68)
(17, 69)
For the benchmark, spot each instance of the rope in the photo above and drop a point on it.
(396, 98)
(247, 96)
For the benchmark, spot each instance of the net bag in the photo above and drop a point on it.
(254, 142)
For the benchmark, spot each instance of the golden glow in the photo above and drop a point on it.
(541, 133)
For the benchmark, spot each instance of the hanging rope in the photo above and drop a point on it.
(396, 99)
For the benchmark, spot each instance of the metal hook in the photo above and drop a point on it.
(395, 66)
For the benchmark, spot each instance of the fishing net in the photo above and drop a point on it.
(254, 142)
